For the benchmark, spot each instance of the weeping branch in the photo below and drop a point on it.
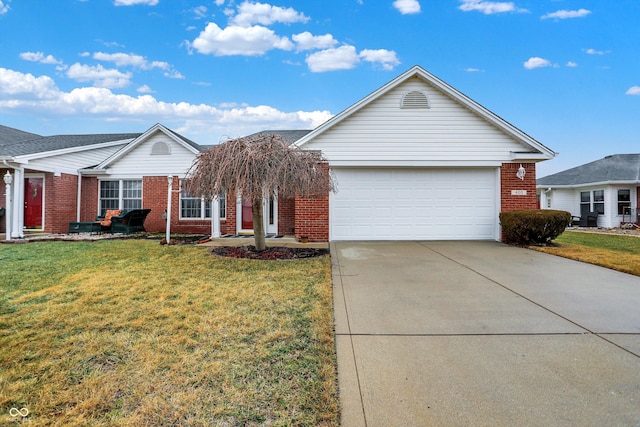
(259, 166)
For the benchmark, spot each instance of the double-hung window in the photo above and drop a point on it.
(624, 202)
(120, 194)
(591, 201)
(194, 207)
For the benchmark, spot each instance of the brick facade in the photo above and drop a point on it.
(61, 202)
(510, 183)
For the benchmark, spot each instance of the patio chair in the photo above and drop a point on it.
(588, 220)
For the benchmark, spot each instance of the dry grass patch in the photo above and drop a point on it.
(621, 253)
(133, 333)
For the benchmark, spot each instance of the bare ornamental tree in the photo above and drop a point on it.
(258, 167)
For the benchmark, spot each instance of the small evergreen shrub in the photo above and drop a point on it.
(537, 226)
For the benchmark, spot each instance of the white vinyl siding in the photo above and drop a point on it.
(141, 162)
(414, 204)
(71, 162)
(445, 134)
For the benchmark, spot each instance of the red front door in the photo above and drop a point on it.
(247, 215)
(33, 202)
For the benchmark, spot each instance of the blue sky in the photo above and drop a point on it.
(567, 72)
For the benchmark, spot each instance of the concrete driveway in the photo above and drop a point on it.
(480, 333)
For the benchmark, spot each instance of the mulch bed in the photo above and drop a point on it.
(275, 253)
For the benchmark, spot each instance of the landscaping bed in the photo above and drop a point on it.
(272, 253)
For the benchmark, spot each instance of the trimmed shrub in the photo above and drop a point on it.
(537, 226)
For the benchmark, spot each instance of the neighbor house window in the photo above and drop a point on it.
(120, 194)
(192, 207)
(598, 201)
(624, 202)
(591, 201)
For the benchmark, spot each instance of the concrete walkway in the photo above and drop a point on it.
(480, 333)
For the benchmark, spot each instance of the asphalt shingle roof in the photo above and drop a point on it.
(615, 168)
(41, 144)
(10, 135)
(290, 136)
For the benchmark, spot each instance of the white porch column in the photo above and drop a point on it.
(17, 227)
(7, 181)
(79, 196)
(169, 191)
(215, 217)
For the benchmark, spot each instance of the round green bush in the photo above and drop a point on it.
(534, 226)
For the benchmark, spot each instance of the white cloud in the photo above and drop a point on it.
(4, 8)
(566, 14)
(173, 74)
(407, 7)
(595, 52)
(265, 14)
(307, 41)
(572, 64)
(474, 70)
(145, 89)
(341, 58)
(489, 7)
(235, 40)
(100, 76)
(39, 57)
(134, 2)
(536, 62)
(19, 91)
(386, 58)
(130, 59)
(634, 90)
(200, 12)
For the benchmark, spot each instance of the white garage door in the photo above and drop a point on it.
(414, 204)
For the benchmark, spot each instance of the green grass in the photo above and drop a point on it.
(130, 332)
(617, 252)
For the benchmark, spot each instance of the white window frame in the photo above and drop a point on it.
(121, 197)
(203, 211)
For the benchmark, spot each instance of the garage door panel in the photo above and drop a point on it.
(408, 204)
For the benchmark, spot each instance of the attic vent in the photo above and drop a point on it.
(415, 99)
(160, 148)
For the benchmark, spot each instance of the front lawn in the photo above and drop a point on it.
(130, 332)
(617, 252)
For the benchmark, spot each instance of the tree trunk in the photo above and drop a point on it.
(258, 224)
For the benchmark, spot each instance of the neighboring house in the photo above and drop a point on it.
(609, 186)
(416, 159)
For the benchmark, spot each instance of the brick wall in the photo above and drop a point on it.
(60, 202)
(510, 182)
(286, 216)
(312, 218)
(228, 226)
(89, 202)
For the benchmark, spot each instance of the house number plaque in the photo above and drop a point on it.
(518, 192)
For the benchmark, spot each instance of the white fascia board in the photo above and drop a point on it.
(25, 158)
(139, 140)
(413, 164)
(535, 157)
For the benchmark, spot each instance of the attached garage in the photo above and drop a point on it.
(418, 160)
(414, 204)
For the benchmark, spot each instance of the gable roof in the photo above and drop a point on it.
(618, 168)
(536, 151)
(187, 143)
